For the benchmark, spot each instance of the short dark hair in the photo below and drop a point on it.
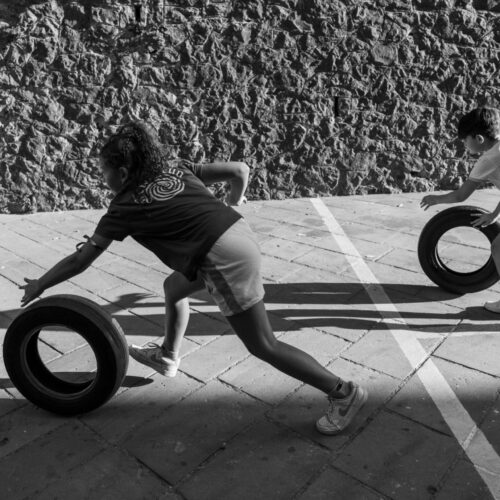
(480, 121)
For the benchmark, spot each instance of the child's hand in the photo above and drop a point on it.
(429, 200)
(32, 290)
(485, 220)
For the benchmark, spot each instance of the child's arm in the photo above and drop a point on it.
(68, 267)
(461, 194)
(234, 172)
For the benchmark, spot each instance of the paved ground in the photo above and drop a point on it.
(343, 284)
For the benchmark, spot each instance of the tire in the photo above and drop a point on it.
(437, 270)
(40, 386)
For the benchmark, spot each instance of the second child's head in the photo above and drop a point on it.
(480, 129)
(132, 156)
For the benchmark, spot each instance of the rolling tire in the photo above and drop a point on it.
(437, 270)
(37, 383)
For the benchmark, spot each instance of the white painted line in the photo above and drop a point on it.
(483, 456)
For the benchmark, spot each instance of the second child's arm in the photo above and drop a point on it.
(234, 172)
(457, 196)
(65, 269)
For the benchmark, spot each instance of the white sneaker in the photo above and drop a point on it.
(152, 355)
(341, 411)
(493, 306)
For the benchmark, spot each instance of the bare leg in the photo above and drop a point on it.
(177, 288)
(253, 328)
(495, 252)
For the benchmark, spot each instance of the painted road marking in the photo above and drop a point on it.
(483, 456)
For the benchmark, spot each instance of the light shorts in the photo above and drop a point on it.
(231, 270)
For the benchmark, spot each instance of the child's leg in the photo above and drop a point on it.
(165, 359)
(494, 306)
(253, 328)
(177, 289)
(495, 252)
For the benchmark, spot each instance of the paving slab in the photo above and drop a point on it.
(231, 426)
(393, 455)
(255, 464)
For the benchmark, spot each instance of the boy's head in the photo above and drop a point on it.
(479, 129)
(131, 156)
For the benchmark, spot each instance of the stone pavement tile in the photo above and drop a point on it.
(17, 428)
(349, 321)
(491, 430)
(277, 269)
(464, 259)
(128, 295)
(465, 483)
(96, 280)
(80, 360)
(389, 276)
(215, 357)
(47, 460)
(475, 346)
(333, 484)
(64, 222)
(7, 405)
(392, 456)
(18, 269)
(268, 384)
(125, 414)
(136, 274)
(417, 314)
(283, 249)
(265, 461)
(432, 293)
(91, 215)
(475, 390)
(400, 258)
(331, 261)
(312, 285)
(61, 339)
(301, 409)
(192, 430)
(379, 350)
(111, 474)
(45, 235)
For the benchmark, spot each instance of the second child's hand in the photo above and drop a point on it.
(484, 220)
(429, 201)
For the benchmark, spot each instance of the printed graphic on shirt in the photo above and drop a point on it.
(168, 185)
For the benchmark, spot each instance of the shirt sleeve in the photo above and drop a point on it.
(112, 225)
(483, 169)
(194, 168)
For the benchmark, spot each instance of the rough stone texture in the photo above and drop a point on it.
(339, 97)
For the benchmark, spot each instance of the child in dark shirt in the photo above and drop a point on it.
(166, 207)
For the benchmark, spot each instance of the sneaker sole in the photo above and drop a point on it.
(147, 362)
(355, 409)
(491, 309)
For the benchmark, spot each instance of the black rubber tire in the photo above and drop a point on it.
(434, 267)
(32, 378)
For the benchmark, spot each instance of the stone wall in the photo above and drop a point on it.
(329, 97)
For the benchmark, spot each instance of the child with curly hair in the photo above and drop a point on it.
(166, 207)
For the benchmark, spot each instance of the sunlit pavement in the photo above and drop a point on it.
(343, 283)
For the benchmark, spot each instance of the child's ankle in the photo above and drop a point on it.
(174, 355)
(341, 390)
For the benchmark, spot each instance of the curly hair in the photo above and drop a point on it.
(136, 147)
(484, 121)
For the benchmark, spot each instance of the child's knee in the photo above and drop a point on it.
(263, 349)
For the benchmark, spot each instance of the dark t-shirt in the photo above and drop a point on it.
(175, 216)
